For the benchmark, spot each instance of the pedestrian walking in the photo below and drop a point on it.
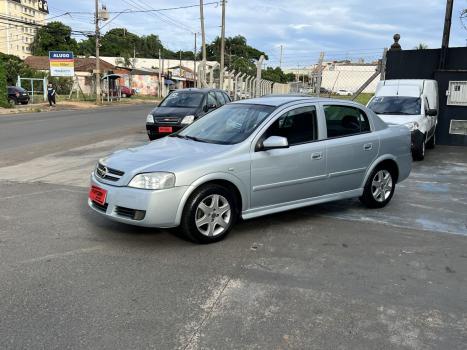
(51, 95)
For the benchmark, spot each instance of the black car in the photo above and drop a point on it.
(17, 95)
(180, 108)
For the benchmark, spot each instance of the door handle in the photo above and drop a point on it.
(317, 156)
(368, 146)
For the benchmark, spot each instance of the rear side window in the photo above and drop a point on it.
(220, 98)
(212, 99)
(298, 126)
(345, 121)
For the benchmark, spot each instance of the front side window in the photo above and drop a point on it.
(345, 121)
(228, 125)
(298, 126)
(183, 100)
(396, 105)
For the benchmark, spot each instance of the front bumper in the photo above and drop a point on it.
(155, 133)
(157, 208)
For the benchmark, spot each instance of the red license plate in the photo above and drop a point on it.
(98, 195)
(165, 129)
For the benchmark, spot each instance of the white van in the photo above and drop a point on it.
(413, 103)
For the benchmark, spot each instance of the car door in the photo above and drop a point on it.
(289, 174)
(351, 146)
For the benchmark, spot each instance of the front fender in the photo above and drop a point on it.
(244, 192)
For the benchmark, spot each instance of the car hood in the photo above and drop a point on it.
(173, 112)
(169, 154)
(399, 119)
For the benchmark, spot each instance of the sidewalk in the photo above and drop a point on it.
(63, 105)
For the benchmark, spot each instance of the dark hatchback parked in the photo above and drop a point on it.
(17, 95)
(181, 108)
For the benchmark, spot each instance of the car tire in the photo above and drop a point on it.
(419, 150)
(209, 214)
(24, 102)
(123, 95)
(12, 102)
(379, 188)
(431, 142)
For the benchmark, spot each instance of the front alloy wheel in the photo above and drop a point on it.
(213, 215)
(209, 214)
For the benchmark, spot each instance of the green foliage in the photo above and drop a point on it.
(238, 54)
(62, 85)
(15, 66)
(277, 75)
(3, 86)
(55, 36)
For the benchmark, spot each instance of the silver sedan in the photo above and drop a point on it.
(252, 158)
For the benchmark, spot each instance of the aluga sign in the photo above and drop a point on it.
(62, 63)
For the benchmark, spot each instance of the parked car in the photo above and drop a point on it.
(126, 91)
(17, 95)
(413, 103)
(252, 158)
(181, 108)
(344, 92)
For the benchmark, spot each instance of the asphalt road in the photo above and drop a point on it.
(335, 276)
(27, 136)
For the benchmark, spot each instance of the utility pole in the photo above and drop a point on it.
(98, 73)
(194, 64)
(446, 33)
(160, 75)
(203, 43)
(280, 59)
(222, 46)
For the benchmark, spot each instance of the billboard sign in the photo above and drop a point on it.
(62, 63)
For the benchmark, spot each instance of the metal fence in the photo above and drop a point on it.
(240, 85)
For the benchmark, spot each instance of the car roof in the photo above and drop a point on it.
(204, 90)
(279, 100)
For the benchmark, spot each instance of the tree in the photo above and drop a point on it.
(239, 55)
(276, 75)
(3, 86)
(55, 36)
(15, 66)
(421, 46)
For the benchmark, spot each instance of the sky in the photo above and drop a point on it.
(343, 29)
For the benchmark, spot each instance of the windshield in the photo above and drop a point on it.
(183, 99)
(227, 125)
(396, 105)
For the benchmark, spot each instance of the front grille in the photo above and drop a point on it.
(108, 173)
(130, 213)
(167, 120)
(101, 207)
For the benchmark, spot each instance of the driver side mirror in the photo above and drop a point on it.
(275, 142)
(207, 108)
(432, 113)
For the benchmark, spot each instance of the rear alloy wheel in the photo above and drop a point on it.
(123, 95)
(379, 188)
(209, 214)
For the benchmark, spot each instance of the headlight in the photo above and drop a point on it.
(188, 119)
(153, 181)
(150, 119)
(412, 126)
